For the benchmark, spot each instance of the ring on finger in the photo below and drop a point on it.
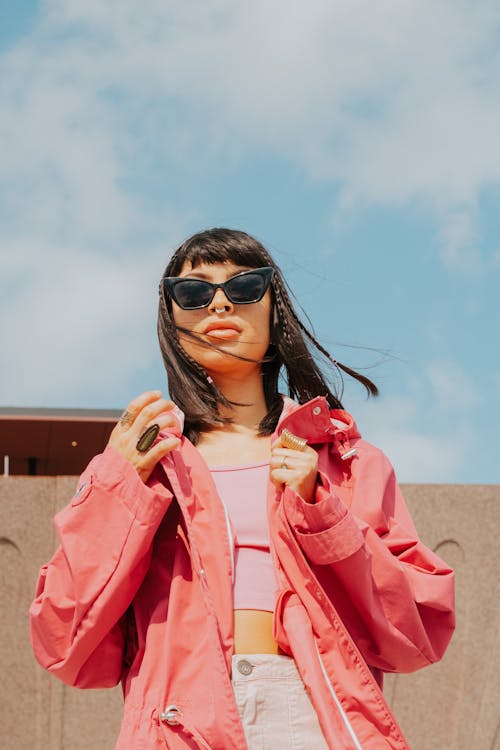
(284, 464)
(289, 440)
(126, 418)
(147, 438)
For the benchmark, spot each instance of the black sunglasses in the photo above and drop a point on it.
(243, 289)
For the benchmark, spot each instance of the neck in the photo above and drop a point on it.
(249, 390)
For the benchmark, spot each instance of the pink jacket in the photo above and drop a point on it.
(140, 590)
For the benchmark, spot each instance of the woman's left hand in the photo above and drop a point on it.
(296, 468)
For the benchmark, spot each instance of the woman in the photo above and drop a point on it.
(243, 562)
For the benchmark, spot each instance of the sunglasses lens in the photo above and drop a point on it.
(192, 293)
(249, 287)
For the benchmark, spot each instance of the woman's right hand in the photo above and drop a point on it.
(144, 411)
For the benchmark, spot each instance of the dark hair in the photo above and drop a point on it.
(291, 352)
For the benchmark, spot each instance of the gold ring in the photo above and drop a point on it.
(147, 438)
(126, 418)
(289, 440)
(283, 464)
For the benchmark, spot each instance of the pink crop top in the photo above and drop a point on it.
(243, 490)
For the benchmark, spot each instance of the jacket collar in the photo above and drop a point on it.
(316, 422)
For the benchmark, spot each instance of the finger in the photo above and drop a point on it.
(277, 443)
(150, 413)
(158, 450)
(280, 476)
(282, 441)
(168, 423)
(291, 458)
(278, 462)
(288, 452)
(275, 481)
(308, 451)
(136, 405)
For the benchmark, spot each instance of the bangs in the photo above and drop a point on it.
(219, 246)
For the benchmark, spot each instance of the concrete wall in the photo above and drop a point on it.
(450, 706)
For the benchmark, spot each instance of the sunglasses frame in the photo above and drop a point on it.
(171, 282)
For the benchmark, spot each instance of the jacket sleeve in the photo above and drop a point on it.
(106, 532)
(395, 596)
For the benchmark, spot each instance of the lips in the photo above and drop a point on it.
(222, 329)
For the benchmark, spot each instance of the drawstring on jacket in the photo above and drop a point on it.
(343, 446)
(173, 715)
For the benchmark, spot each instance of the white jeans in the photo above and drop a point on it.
(273, 705)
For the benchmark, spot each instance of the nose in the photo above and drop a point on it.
(220, 301)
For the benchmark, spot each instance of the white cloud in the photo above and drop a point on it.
(75, 327)
(418, 453)
(452, 387)
(61, 172)
(395, 101)
(426, 434)
(459, 239)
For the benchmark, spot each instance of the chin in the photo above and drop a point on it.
(224, 362)
(227, 365)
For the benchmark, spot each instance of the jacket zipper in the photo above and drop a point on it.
(230, 537)
(204, 584)
(334, 695)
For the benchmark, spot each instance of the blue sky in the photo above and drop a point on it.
(357, 140)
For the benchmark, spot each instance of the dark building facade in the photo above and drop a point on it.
(52, 442)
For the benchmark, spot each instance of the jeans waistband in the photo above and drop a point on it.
(267, 666)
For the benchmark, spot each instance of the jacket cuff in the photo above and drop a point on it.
(333, 544)
(326, 510)
(326, 531)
